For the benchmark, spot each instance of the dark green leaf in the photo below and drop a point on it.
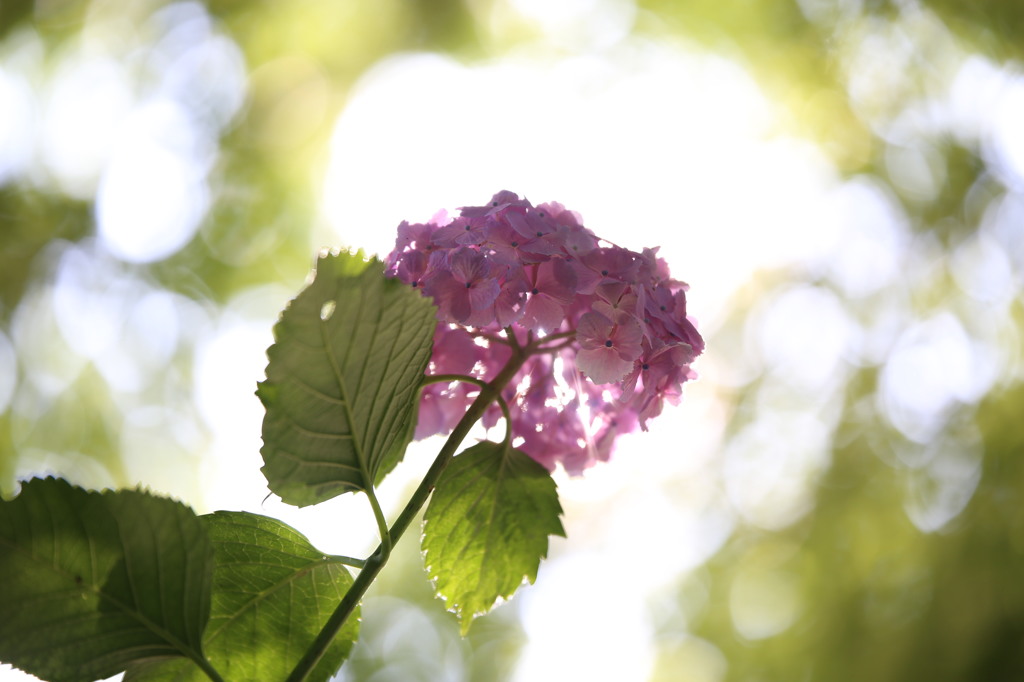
(94, 581)
(272, 592)
(341, 390)
(486, 527)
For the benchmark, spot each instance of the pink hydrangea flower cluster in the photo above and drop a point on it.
(606, 327)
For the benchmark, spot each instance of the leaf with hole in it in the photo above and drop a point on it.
(342, 382)
(486, 527)
(95, 581)
(272, 592)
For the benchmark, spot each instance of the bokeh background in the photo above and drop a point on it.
(839, 497)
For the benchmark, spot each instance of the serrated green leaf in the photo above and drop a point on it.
(341, 390)
(95, 581)
(272, 592)
(486, 527)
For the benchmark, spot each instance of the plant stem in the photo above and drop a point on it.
(441, 378)
(382, 524)
(512, 340)
(569, 336)
(348, 561)
(488, 393)
(557, 347)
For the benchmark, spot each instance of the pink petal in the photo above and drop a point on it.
(543, 312)
(603, 365)
(483, 293)
(593, 330)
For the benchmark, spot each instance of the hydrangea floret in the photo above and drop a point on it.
(604, 329)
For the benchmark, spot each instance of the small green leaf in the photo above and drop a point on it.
(342, 382)
(486, 527)
(95, 581)
(272, 592)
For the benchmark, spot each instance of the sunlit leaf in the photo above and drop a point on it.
(272, 592)
(341, 387)
(486, 527)
(94, 581)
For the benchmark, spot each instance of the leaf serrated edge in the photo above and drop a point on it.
(503, 463)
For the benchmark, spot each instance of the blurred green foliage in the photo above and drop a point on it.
(31, 220)
(852, 590)
(874, 598)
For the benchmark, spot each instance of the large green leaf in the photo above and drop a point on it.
(397, 450)
(348, 358)
(486, 527)
(94, 581)
(272, 592)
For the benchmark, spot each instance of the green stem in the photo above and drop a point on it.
(538, 345)
(448, 378)
(442, 378)
(488, 393)
(512, 340)
(493, 338)
(382, 523)
(348, 561)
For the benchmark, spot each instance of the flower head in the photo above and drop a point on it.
(603, 329)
